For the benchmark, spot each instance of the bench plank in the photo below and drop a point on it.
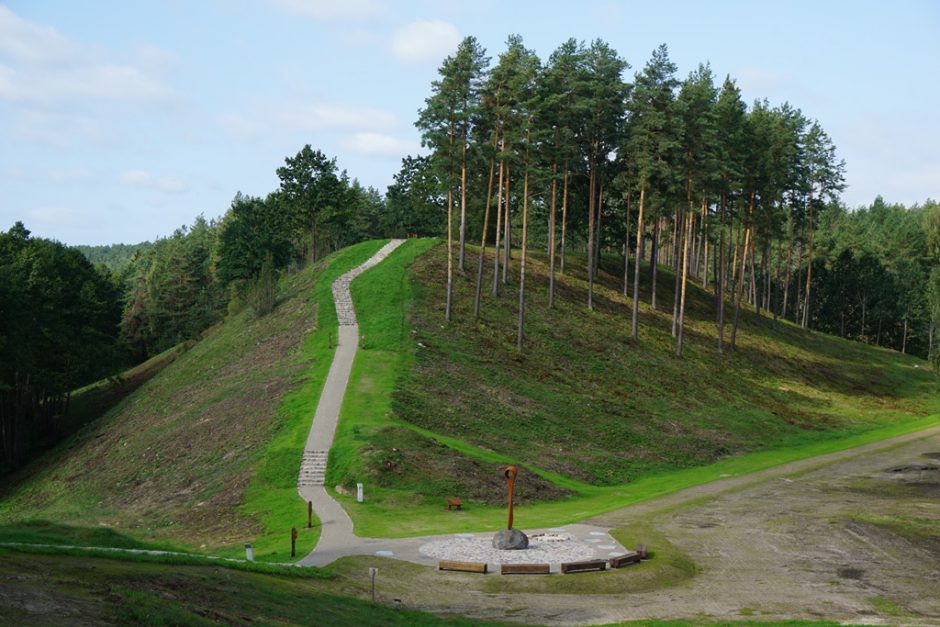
(466, 567)
(583, 567)
(630, 557)
(525, 569)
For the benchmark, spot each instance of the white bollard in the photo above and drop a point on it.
(249, 553)
(359, 493)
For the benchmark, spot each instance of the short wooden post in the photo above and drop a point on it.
(309, 514)
(293, 541)
(329, 339)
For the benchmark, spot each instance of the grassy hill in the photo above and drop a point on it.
(204, 455)
(597, 422)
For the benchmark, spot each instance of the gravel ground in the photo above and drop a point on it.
(793, 542)
(553, 547)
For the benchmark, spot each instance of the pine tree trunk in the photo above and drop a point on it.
(739, 287)
(507, 231)
(597, 239)
(525, 225)
(809, 266)
(635, 323)
(722, 277)
(734, 255)
(904, 338)
(486, 227)
(551, 236)
(590, 241)
(679, 239)
(798, 306)
(864, 303)
(654, 259)
(787, 274)
(564, 217)
(626, 252)
(685, 272)
(499, 224)
(450, 253)
(739, 292)
(704, 243)
(463, 206)
(757, 274)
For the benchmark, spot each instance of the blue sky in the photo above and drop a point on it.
(123, 120)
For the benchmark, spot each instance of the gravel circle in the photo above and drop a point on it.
(552, 550)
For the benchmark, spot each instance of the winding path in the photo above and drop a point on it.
(336, 528)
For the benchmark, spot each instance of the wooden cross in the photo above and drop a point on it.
(510, 473)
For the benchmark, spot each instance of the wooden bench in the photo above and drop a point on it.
(630, 557)
(525, 569)
(464, 567)
(454, 503)
(584, 567)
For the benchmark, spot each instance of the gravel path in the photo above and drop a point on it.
(336, 531)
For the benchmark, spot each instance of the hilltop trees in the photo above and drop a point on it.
(673, 173)
(446, 124)
(651, 142)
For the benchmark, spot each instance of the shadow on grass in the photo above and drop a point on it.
(47, 532)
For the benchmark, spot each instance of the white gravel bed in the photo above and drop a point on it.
(543, 548)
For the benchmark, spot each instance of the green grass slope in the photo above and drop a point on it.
(203, 456)
(95, 591)
(597, 422)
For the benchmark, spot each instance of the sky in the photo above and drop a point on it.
(121, 121)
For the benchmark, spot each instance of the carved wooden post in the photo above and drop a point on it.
(510, 473)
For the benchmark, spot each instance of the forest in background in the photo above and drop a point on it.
(564, 156)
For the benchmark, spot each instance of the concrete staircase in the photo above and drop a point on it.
(312, 469)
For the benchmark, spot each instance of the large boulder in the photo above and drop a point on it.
(510, 540)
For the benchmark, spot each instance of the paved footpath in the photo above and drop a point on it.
(336, 529)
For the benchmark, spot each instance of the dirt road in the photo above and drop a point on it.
(840, 537)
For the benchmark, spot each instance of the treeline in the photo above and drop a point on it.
(58, 325)
(113, 256)
(566, 154)
(877, 275)
(65, 323)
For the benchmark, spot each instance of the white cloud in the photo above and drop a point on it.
(238, 125)
(379, 145)
(32, 43)
(142, 178)
(53, 216)
(60, 130)
(39, 66)
(65, 85)
(335, 9)
(303, 117)
(155, 59)
(331, 116)
(70, 175)
(425, 40)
